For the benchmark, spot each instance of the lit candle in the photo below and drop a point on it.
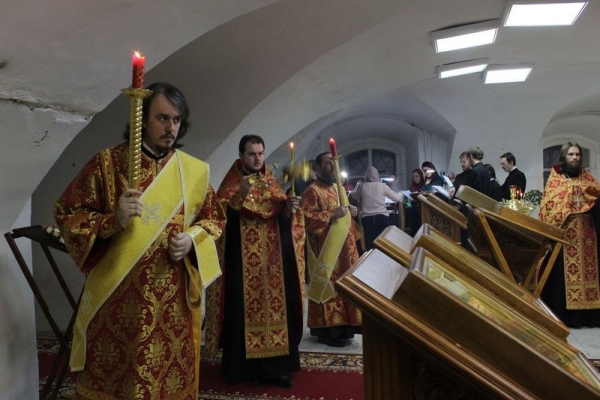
(332, 147)
(293, 191)
(139, 63)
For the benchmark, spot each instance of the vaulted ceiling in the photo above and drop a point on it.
(290, 70)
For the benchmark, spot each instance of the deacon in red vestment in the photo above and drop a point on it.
(137, 333)
(335, 320)
(570, 201)
(261, 323)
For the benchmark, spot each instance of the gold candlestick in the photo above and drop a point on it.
(293, 191)
(137, 96)
(342, 199)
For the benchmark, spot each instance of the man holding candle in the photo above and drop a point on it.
(146, 254)
(263, 274)
(331, 243)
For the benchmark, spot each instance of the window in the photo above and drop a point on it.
(357, 162)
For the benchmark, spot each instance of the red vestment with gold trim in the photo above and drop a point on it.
(140, 344)
(253, 264)
(319, 201)
(566, 204)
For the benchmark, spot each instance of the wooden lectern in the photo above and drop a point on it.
(431, 333)
(490, 279)
(442, 216)
(395, 243)
(512, 242)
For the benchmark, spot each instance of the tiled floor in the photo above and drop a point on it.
(587, 340)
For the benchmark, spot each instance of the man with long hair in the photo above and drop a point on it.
(570, 201)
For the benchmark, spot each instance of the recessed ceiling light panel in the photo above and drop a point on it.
(462, 68)
(543, 13)
(461, 37)
(507, 73)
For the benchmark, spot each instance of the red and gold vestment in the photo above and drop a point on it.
(141, 339)
(319, 201)
(565, 204)
(265, 315)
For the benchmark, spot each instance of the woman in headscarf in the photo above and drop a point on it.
(370, 197)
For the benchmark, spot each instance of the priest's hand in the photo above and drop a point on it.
(293, 203)
(353, 210)
(245, 186)
(179, 246)
(129, 206)
(340, 212)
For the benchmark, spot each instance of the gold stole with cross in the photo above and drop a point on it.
(182, 182)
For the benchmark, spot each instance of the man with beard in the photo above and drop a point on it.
(145, 253)
(515, 177)
(570, 201)
(263, 274)
(331, 246)
(467, 177)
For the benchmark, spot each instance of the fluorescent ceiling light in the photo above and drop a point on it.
(507, 73)
(465, 36)
(543, 13)
(462, 68)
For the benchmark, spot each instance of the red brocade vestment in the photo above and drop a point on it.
(143, 341)
(566, 204)
(319, 201)
(261, 261)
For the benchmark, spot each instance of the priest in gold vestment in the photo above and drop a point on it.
(333, 320)
(570, 201)
(146, 254)
(259, 321)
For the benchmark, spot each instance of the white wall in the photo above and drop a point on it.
(18, 355)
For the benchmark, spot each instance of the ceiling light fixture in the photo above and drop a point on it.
(462, 68)
(506, 73)
(464, 36)
(543, 12)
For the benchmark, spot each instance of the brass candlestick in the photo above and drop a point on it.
(137, 96)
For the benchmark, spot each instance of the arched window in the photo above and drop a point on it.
(357, 162)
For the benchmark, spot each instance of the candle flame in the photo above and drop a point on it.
(291, 145)
(137, 55)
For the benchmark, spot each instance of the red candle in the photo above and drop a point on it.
(332, 147)
(139, 63)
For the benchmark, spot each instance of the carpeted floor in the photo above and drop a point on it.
(322, 377)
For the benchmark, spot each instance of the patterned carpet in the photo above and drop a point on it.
(322, 377)
(312, 382)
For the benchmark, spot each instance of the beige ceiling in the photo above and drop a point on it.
(296, 70)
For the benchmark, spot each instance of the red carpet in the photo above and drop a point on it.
(322, 377)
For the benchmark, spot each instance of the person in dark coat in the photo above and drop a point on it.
(515, 177)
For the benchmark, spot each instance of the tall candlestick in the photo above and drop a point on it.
(139, 62)
(332, 147)
(293, 193)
